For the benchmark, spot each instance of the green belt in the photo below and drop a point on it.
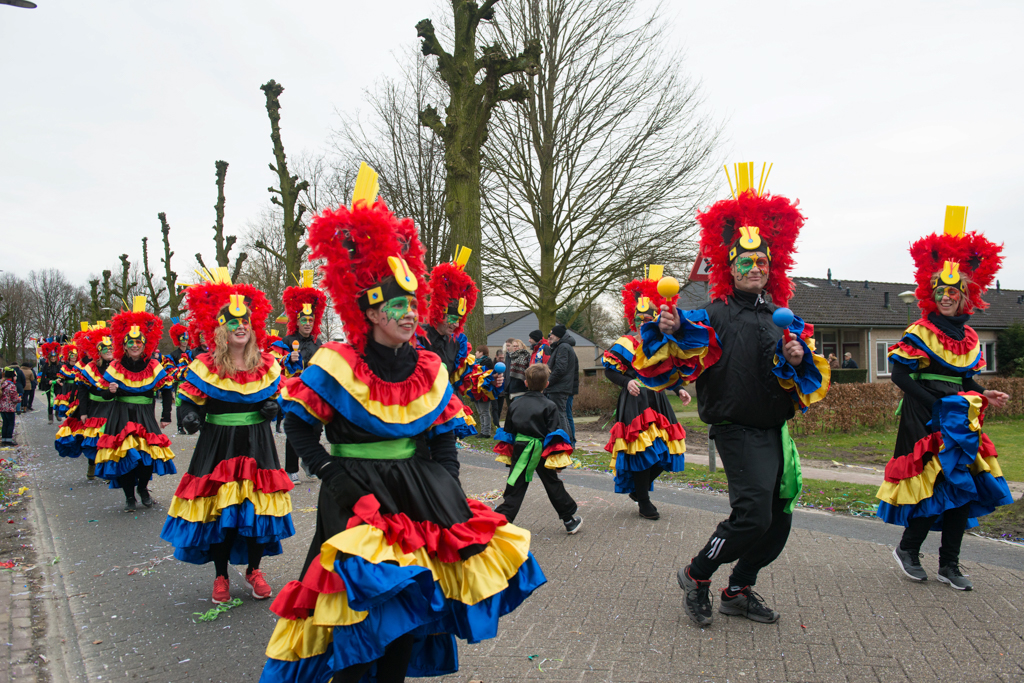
(528, 460)
(140, 400)
(235, 419)
(952, 379)
(393, 449)
(792, 475)
(99, 399)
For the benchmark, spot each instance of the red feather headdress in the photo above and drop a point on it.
(207, 299)
(971, 252)
(452, 290)
(177, 329)
(67, 349)
(366, 249)
(91, 340)
(778, 222)
(296, 297)
(647, 288)
(134, 323)
(49, 347)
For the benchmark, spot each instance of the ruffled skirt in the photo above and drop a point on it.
(646, 434)
(234, 482)
(946, 463)
(411, 556)
(132, 437)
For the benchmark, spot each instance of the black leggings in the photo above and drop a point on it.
(221, 552)
(642, 482)
(391, 668)
(137, 478)
(954, 523)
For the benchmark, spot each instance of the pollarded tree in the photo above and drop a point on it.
(175, 294)
(223, 244)
(477, 80)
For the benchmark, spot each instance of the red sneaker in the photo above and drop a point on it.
(260, 588)
(221, 593)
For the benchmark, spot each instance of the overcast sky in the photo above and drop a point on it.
(875, 114)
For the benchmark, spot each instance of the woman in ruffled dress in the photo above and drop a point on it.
(233, 505)
(401, 562)
(945, 472)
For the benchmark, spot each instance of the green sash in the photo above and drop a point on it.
(235, 419)
(528, 459)
(99, 399)
(140, 400)
(792, 476)
(393, 449)
(952, 379)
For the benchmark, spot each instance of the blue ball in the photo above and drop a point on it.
(499, 368)
(783, 317)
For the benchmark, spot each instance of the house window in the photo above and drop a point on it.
(990, 357)
(882, 361)
(829, 347)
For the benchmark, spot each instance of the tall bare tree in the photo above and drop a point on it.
(263, 269)
(476, 80)
(15, 317)
(603, 167)
(408, 157)
(155, 291)
(175, 294)
(52, 295)
(223, 244)
(286, 196)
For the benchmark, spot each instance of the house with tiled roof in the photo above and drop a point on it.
(518, 325)
(864, 318)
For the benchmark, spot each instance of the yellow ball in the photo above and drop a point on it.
(668, 287)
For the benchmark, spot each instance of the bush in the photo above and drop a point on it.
(849, 376)
(1010, 350)
(597, 396)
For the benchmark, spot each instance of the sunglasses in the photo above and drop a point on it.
(943, 291)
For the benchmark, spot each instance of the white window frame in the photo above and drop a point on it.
(990, 359)
(885, 365)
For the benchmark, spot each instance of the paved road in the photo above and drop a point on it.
(610, 611)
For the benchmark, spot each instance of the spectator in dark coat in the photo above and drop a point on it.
(565, 375)
(848, 362)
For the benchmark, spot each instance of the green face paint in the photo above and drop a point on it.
(234, 323)
(745, 264)
(453, 319)
(639, 319)
(399, 307)
(306, 320)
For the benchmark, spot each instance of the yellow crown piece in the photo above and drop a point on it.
(462, 306)
(237, 305)
(405, 278)
(462, 255)
(655, 272)
(307, 309)
(750, 237)
(307, 278)
(743, 173)
(367, 185)
(274, 333)
(100, 324)
(643, 304)
(950, 272)
(84, 325)
(135, 332)
(105, 341)
(956, 221)
(139, 304)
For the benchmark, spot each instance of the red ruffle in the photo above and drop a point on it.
(235, 469)
(451, 410)
(960, 347)
(191, 390)
(629, 433)
(387, 393)
(444, 544)
(503, 448)
(242, 377)
(299, 391)
(145, 375)
(133, 429)
(986, 448)
(912, 464)
(297, 600)
(559, 447)
(91, 422)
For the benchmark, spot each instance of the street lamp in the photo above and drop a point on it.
(907, 297)
(27, 4)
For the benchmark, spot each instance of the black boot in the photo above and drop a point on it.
(90, 470)
(129, 504)
(144, 496)
(642, 495)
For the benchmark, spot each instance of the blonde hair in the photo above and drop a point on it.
(512, 340)
(222, 354)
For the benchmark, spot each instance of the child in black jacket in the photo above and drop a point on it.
(532, 443)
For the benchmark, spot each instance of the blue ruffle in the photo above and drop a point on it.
(125, 389)
(215, 392)
(456, 424)
(916, 342)
(505, 437)
(807, 377)
(69, 446)
(690, 335)
(298, 410)
(559, 435)
(656, 454)
(192, 540)
(112, 469)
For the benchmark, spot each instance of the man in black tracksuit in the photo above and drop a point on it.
(745, 405)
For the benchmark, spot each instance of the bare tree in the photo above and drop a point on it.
(602, 169)
(263, 269)
(175, 294)
(15, 316)
(223, 244)
(476, 80)
(408, 157)
(329, 182)
(52, 296)
(155, 291)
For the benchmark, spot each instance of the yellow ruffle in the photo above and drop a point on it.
(645, 440)
(912, 490)
(934, 344)
(826, 377)
(558, 461)
(335, 364)
(504, 460)
(287, 396)
(469, 581)
(228, 384)
(121, 379)
(64, 431)
(990, 465)
(669, 350)
(208, 509)
(921, 361)
(133, 441)
(296, 639)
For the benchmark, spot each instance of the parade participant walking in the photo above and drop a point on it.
(945, 472)
(95, 400)
(176, 363)
(233, 504)
(646, 438)
(132, 447)
(401, 563)
(64, 384)
(304, 306)
(533, 443)
(48, 372)
(749, 393)
(70, 433)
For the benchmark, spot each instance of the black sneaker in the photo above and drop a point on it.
(951, 574)
(747, 604)
(146, 499)
(910, 563)
(648, 511)
(130, 506)
(698, 597)
(573, 525)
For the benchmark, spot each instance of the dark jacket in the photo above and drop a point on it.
(850, 364)
(48, 373)
(565, 367)
(486, 362)
(741, 388)
(532, 414)
(446, 347)
(307, 346)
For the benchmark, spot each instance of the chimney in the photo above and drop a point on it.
(887, 299)
(847, 291)
(998, 290)
(866, 285)
(839, 284)
(830, 276)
